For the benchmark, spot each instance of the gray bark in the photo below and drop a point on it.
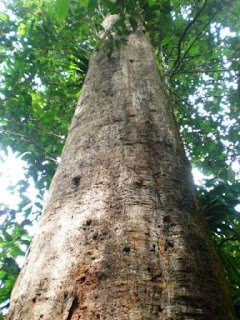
(121, 236)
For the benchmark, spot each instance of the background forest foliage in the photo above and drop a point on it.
(44, 54)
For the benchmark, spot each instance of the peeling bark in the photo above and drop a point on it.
(121, 236)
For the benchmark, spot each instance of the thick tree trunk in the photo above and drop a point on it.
(121, 236)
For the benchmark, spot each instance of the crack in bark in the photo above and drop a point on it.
(73, 308)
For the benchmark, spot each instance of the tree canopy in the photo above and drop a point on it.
(44, 54)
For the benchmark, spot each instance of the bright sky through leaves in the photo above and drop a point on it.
(12, 169)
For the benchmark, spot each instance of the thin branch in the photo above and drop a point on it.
(24, 125)
(209, 96)
(207, 71)
(26, 138)
(185, 33)
(200, 34)
(187, 58)
(183, 110)
(233, 238)
(181, 107)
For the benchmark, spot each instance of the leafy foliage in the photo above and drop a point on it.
(219, 206)
(45, 50)
(61, 9)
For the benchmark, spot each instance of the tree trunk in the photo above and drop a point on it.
(121, 236)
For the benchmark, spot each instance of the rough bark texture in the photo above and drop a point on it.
(121, 236)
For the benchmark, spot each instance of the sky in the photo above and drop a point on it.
(12, 170)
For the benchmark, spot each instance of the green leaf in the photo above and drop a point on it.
(84, 2)
(22, 29)
(3, 123)
(2, 273)
(195, 49)
(26, 222)
(3, 17)
(4, 244)
(92, 5)
(38, 204)
(151, 3)
(166, 40)
(231, 175)
(61, 9)
(133, 23)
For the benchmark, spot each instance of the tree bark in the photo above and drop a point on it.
(121, 236)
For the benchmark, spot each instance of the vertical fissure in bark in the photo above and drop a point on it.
(121, 235)
(74, 306)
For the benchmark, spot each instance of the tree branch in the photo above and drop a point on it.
(209, 96)
(48, 155)
(185, 33)
(207, 71)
